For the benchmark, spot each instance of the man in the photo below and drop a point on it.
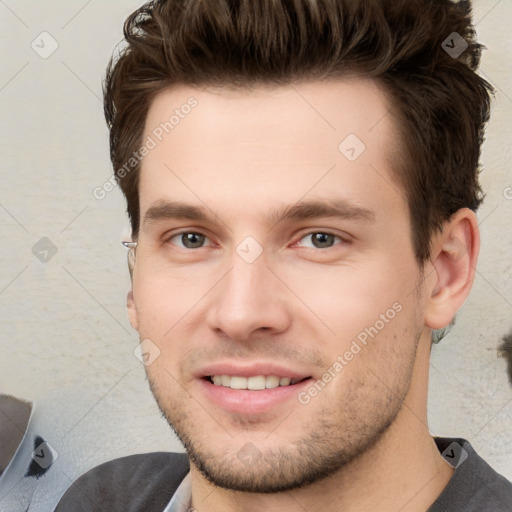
(302, 181)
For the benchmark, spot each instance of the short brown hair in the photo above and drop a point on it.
(439, 102)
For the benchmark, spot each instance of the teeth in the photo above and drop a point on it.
(255, 383)
(272, 382)
(238, 383)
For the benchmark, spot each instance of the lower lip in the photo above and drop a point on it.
(245, 401)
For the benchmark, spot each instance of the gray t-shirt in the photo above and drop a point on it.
(474, 485)
(147, 483)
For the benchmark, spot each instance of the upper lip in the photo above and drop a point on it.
(251, 369)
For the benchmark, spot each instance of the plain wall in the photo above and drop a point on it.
(65, 342)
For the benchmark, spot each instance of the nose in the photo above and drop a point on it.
(248, 300)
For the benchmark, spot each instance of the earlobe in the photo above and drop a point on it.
(454, 257)
(132, 310)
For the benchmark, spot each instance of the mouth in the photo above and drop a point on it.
(252, 388)
(253, 395)
(253, 383)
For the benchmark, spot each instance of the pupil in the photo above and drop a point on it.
(323, 239)
(192, 240)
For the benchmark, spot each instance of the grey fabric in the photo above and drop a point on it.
(137, 483)
(474, 486)
(146, 483)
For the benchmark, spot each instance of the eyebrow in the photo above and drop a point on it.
(174, 210)
(304, 210)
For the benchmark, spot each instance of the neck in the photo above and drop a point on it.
(402, 471)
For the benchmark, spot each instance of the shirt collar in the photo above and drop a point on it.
(182, 498)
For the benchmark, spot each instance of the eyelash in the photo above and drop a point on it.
(341, 239)
(328, 233)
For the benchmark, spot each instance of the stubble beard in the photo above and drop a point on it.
(335, 437)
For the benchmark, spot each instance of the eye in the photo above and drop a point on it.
(188, 240)
(320, 240)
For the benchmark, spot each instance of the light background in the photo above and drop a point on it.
(65, 340)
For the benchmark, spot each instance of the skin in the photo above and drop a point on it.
(362, 442)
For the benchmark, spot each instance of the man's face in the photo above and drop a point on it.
(274, 246)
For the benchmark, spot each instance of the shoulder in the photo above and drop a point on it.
(474, 486)
(137, 482)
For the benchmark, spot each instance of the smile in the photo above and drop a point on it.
(254, 383)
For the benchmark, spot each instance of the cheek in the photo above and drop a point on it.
(163, 298)
(370, 372)
(373, 324)
(346, 300)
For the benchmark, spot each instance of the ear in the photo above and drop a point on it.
(454, 253)
(132, 310)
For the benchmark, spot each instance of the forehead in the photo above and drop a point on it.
(269, 143)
